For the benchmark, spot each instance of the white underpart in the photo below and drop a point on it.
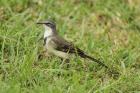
(48, 33)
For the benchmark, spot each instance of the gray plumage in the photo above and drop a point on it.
(60, 47)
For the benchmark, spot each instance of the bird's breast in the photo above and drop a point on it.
(49, 45)
(47, 41)
(51, 48)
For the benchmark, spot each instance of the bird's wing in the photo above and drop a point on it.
(65, 46)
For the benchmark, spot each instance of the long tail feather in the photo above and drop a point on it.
(83, 55)
(95, 60)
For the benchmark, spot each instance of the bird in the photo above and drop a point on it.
(58, 46)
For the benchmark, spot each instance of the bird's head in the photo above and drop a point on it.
(50, 27)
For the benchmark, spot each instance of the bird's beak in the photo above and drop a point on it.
(40, 22)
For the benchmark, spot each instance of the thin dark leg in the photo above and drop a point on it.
(66, 62)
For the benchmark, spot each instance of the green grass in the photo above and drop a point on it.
(106, 29)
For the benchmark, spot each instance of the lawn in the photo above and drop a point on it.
(106, 29)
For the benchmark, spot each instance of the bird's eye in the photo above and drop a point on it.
(48, 24)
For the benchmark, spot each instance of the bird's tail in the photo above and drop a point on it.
(95, 60)
(83, 55)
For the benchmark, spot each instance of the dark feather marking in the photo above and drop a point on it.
(45, 39)
(63, 45)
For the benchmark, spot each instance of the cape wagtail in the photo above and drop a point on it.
(58, 46)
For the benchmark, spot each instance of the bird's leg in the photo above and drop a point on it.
(66, 61)
(43, 54)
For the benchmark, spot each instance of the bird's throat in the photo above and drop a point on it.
(48, 32)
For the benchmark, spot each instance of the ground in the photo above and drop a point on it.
(106, 29)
